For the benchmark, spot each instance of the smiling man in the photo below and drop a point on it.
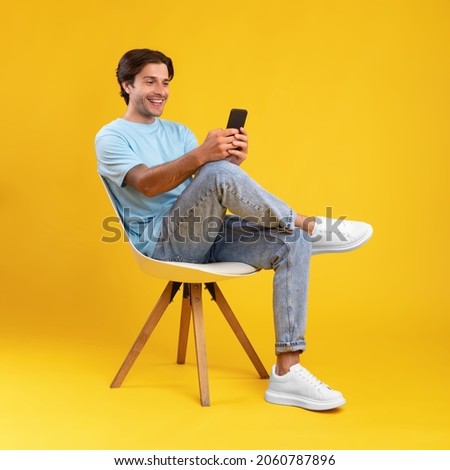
(147, 93)
(174, 195)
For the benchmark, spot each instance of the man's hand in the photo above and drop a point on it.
(240, 147)
(224, 144)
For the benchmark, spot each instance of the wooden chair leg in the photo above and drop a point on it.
(200, 345)
(185, 322)
(153, 319)
(191, 305)
(237, 328)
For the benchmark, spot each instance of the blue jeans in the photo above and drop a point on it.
(261, 232)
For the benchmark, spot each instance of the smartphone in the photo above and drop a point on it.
(237, 118)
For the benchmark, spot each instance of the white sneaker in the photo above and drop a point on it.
(338, 235)
(300, 388)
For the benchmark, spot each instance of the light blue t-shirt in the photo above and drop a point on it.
(121, 145)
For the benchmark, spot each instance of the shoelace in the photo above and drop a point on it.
(312, 379)
(343, 227)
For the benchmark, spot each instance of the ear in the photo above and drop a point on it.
(126, 86)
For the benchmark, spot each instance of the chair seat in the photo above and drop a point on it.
(191, 272)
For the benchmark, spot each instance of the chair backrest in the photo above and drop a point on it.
(182, 272)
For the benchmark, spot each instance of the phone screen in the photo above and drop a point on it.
(237, 118)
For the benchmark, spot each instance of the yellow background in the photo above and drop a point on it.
(348, 108)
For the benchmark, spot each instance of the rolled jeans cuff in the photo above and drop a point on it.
(293, 346)
(289, 222)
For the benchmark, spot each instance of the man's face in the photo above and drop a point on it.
(148, 94)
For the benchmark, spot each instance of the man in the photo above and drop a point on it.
(174, 195)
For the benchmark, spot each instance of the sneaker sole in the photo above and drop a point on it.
(345, 248)
(279, 398)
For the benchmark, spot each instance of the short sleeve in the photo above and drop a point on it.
(115, 158)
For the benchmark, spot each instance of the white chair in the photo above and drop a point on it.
(192, 277)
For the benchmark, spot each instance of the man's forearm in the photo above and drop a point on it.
(152, 181)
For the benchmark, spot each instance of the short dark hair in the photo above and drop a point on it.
(132, 62)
